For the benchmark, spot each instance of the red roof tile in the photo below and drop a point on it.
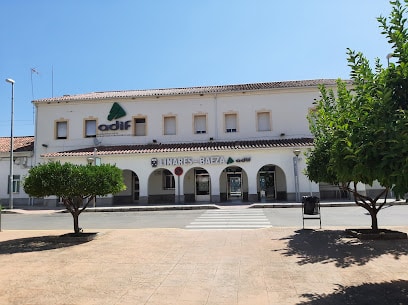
(19, 144)
(181, 147)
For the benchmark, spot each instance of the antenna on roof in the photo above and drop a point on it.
(52, 81)
(33, 70)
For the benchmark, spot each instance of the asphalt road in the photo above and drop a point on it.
(276, 217)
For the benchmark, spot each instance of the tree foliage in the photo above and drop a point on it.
(77, 185)
(361, 128)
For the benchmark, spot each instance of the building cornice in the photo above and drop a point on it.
(181, 147)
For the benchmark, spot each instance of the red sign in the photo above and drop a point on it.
(178, 171)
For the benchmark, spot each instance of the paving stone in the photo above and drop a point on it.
(185, 267)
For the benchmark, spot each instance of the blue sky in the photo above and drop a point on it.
(82, 46)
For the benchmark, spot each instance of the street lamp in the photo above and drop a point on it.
(11, 178)
(295, 167)
(389, 55)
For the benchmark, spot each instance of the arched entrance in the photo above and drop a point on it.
(131, 194)
(271, 183)
(233, 184)
(197, 185)
(161, 186)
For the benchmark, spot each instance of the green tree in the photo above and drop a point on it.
(361, 128)
(77, 185)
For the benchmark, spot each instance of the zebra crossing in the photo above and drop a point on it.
(230, 219)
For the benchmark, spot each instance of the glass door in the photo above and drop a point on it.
(202, 187)
(267, 185)
(234, 186)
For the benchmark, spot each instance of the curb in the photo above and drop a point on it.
(188, 207)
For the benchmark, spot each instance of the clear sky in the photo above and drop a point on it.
(79, 46)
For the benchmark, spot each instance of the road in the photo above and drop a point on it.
(234, 218)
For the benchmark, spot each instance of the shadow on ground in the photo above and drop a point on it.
(40, 243)
(334, 246)
(394, 292)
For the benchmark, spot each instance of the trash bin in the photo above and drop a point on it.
(310, 205)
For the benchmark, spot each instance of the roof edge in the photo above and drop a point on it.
(181, 91)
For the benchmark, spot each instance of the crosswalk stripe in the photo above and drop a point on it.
(209, 226)
(230, 219)
(229, 222)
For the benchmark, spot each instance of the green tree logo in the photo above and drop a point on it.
(116, 112)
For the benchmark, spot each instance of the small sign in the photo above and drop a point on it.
(178, 171)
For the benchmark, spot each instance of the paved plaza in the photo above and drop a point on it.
(209, 267)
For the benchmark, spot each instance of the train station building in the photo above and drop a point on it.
(242, 143)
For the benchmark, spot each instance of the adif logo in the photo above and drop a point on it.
(116, 112)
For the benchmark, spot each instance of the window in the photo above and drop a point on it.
(264, 121)
(170, 125)
(16, 184)
(168, 180)
(140, 126)
(200, 124)
(231, 122)
(61, 130)
(90, 128)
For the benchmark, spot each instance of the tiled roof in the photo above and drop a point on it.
(188, 90)
(19, 144)
(182, 147)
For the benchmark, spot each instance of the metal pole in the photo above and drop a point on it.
(11, 178)
(295, 167)
(178, 189)
(94, 164)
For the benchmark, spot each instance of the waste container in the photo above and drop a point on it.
(310, 205)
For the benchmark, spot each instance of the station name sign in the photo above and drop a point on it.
(185, 161)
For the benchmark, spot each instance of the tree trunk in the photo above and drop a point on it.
(76, 223)
(370, 204)
(374, 221)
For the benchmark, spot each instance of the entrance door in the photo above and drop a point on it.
(202, 192)
(267, 185)
(234, 186)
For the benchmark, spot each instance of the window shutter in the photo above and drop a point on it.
(230, 122)
(169, 125)
(140, 127)
(200, 124)
(62, 130)
(90, 128)
(264, 122)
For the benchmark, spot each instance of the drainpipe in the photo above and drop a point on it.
(216, 116)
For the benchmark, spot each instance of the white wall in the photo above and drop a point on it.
(23, 162)
(288, 108)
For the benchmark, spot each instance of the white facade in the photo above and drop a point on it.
(287, 108)
(230, 142)
(22, 161)
(185, 145)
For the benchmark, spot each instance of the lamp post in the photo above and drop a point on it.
(389, 55)
(11, 179)
(295, 167)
